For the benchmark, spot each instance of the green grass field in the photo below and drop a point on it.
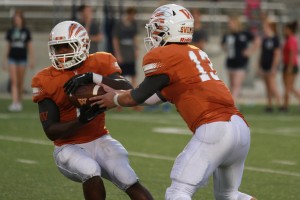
(28, 171)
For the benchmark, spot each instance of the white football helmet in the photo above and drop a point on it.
(73, 34)
(169, 23)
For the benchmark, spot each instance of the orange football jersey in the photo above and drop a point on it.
(198, 94)
(48, 83)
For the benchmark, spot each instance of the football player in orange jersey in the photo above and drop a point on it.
(84, 150)
(183, 75)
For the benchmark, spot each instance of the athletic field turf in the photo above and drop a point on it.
(153, 140)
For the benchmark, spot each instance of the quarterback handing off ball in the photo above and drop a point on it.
(81, 96)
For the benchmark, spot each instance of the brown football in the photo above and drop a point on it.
(83, 93)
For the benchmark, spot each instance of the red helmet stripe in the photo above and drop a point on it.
(71, 29)
(186, 13)
(78, 30)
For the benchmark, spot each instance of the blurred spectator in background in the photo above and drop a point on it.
(253, 14)
(125, 43)
(92, 26)
(18, 54)
(290, 61)
(200, 36)
(237, 45)
(109, 21)
(269, 62)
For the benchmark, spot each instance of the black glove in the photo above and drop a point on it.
(74, 82)
(88, 113)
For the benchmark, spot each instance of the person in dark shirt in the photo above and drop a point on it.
(237, 45)
(125, 42)
(200, 36)
(18, 53)
(269, 62)
(92, 26)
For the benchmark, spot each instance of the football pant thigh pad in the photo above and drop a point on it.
(114, 160)
(74, 163)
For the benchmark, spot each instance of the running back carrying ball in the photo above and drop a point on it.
(81, 96)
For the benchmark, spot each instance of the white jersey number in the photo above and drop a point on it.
(204, 75)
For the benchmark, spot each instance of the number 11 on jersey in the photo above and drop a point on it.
(204, 75)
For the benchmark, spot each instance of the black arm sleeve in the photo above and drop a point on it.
(149, 86)
(50, 119)
(49, 113)
(116, 81)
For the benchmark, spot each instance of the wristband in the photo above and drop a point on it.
(116, 99)
(97, 78)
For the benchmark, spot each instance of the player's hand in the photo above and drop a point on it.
(106, 100)
(88, 113)
(74, 82)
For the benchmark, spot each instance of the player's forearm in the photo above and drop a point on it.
(148, 87)
(115, 81)
(62, 130)
(118, 84)
(125, 99)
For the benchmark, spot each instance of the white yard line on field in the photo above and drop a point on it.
(18, 116)
(284, 162)
(172, 130)
(25, 161)
(281, 131)
(271, 171)
(146, 155)
(25, 140)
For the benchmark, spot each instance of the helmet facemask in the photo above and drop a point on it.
(66, 60)
(157, 35)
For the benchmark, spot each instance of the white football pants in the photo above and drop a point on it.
(105, 157)
(218, 148)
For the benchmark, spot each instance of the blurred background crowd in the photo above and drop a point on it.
(253, 44)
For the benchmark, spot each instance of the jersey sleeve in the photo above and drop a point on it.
(39, 91)
(113, 65)
(152, 64)
(105, 64)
